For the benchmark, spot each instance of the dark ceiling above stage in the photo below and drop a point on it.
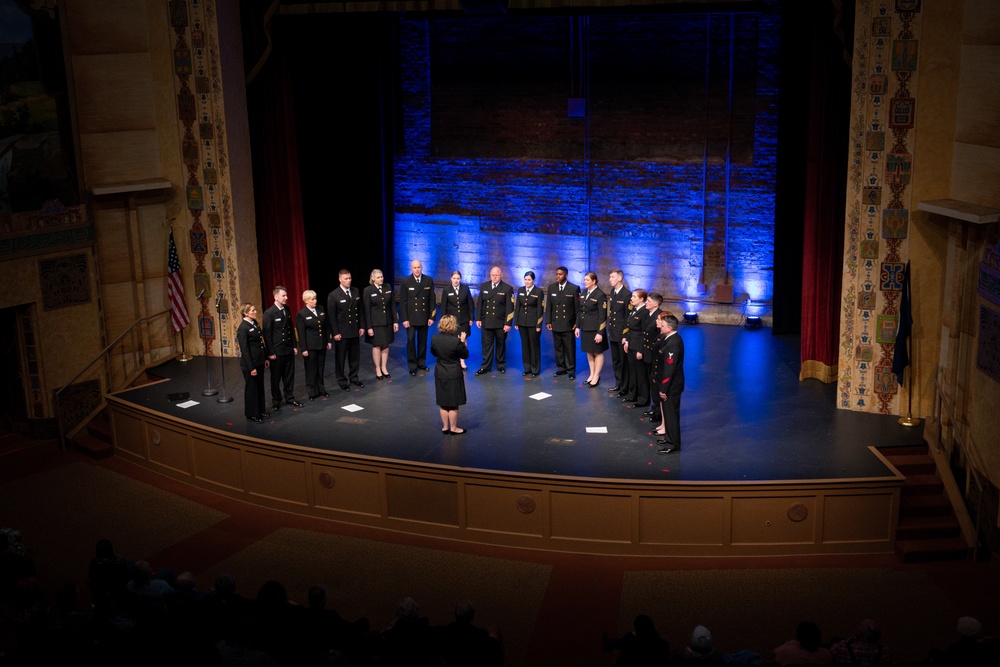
(487, 7)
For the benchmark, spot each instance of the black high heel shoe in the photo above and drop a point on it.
(379, 377)
(592, 386)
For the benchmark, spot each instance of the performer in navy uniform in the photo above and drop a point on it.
(637, 389)
(416, 309)
(279, 334)
(449, 383)
(379, 308)
(347, 325)
(592, 327)
(529, 311)
(314, 339)
(649, 335)
(253, 361)
(670, 382)
(619, 308)
(560, 318)
(495, 305)
(457, 300)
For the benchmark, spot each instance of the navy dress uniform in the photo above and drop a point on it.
(560, 318)
(379, 305)
(417, 305)
(343, 306)
(314, 337)
(495, 305)
(459, 302)
(619, 309)
(650, 336)
(529, 312)
(253, 356)
(637, 389)
(593, 320)
(279, 334)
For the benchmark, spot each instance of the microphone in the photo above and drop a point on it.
(201, 294)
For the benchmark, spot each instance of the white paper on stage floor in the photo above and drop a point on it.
(539, 396)
(597, 429)
(187, 404)
(353, 407)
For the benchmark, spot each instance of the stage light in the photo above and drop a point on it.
(753, 322)
(691, 318)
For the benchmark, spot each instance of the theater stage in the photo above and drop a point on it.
(750, 428)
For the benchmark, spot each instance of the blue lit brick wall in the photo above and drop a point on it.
(670, 178)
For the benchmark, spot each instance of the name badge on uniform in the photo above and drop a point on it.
(308, 318)
(277, 319)
(343, 300)
(412, 288)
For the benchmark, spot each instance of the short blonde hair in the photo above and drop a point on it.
(308, 294)
(371, 277)
(448, 324)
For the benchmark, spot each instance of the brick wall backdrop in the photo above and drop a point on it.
(671, 176)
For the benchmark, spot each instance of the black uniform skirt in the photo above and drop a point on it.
(381, 336)
(449, 393)
(588, 345)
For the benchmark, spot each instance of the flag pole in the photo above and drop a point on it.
(184, 356)
(909, 419)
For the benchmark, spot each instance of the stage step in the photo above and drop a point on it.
(921, 551)
(928, 529)
(95, 440)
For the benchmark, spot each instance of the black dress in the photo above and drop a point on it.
(380, 314)
(593, 320)
(449, 381)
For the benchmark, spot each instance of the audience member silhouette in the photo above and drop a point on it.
(805, 649)
(969, 649)
(642, 647)
(864, 648)
(406, 641)
(463, 644)
(699, 651)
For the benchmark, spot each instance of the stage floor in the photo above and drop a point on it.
(744, 416)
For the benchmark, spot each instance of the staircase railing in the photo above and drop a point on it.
(974, 479)
(115, 367)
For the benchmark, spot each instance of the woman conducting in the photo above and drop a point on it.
(592, 324)
(448, 345)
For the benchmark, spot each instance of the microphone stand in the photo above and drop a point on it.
(222, 360)
(210, 390)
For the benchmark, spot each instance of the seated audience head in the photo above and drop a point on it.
(317, 597)
(464, 612)
(969, 628)
(808, 635)
(408, 609)
(701, 640)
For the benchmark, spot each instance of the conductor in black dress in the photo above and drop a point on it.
(457, 300)
(379, 307)
(416, 309)
(253, 361)
(619, 309)
(495, 308)
(279, 334)
(449, 382)
(347, 325)
(670, 382)
(529, 310)
(314, 339)
(562, 299)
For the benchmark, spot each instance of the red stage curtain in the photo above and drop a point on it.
(281, 239)
(823, 216)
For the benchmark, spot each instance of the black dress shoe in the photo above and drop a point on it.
(265, 415)
(572, 377)
(276, 407)
(255, 420)
(413, 372)
(323, 394)
(558, 373)
(622, 394)
(379, 377)
(358, 383)
(424, 368)
(345, 387)
(669, 449)
(294, 403)
(525, 374)
(615, 388)
(626, 399)
(594, 385)
(503, 371)
(534, 375)
(482, 371)
(648, 413)
(638, 405)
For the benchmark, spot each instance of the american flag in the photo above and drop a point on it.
(175, 288)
